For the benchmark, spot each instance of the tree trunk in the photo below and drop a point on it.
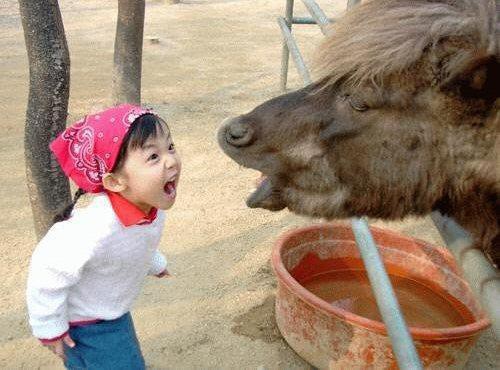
(128, 52)
(47, 107)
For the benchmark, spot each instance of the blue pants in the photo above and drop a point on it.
(106, 345)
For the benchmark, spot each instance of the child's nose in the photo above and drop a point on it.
(170, 161)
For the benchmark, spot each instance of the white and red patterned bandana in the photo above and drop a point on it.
(88, 149)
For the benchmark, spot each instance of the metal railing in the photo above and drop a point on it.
(290, 46)
(402, 343)
(482, 276)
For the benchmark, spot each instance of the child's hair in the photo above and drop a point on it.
(144, 127)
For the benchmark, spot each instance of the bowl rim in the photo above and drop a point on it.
(284, 277)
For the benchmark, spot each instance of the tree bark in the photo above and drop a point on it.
(128, 52)
(47, 108)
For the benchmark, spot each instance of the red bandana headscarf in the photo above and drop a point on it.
(88, 149)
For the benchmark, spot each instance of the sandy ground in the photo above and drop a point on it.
(214, 59)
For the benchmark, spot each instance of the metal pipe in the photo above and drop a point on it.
(294, 50)
(482, 277)
(318, 15)
(285, 53)
(307, 20)
(402, 343)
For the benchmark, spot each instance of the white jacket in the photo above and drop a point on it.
(90, 267)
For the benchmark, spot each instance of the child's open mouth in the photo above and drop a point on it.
(169, 189)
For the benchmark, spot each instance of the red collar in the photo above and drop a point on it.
(128, 213)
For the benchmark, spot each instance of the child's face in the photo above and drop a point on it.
(151, 173)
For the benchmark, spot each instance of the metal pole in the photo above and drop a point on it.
(294, 50)
(307, 20)
(318, 15)
(483, 278)
(285, 51)
(402, 343)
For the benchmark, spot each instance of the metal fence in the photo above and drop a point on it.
(481, 275)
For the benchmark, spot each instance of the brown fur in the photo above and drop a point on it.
(386, 37)
(403, 119)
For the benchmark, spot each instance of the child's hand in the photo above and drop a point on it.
(57, 346)
(164, 273)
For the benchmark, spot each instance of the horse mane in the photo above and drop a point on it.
(382, 38)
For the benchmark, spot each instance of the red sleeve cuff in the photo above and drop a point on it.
(51, 340)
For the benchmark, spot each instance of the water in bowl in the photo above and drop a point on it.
(421, 306)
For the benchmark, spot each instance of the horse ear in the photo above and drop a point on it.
(478, 78)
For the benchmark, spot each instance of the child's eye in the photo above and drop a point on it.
(152, 157)
(171, 147)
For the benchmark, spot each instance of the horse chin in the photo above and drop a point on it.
(266, 196)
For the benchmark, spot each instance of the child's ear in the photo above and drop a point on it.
(113, 182)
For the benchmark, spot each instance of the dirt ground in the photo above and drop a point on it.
(214, 59)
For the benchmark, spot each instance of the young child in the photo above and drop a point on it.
(88, 269)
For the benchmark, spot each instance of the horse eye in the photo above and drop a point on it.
(357, 104)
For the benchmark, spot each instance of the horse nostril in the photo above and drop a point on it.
(239, 134)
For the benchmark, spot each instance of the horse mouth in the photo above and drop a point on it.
(267, 196)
